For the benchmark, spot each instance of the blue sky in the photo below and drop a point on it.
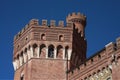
(103, 23)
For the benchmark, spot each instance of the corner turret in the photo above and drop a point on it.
(79, 21)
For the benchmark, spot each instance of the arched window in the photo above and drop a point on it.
(29, 54)
(109, 78)
(18, 56)
(22, 59)
(35, 50)
(26, 55)
(85, 78)
(99, 56)
(51, 51)
(22, 76)
(61, 38)
(42, 51)
(18, 62)
(91, 61)
(43, 37)
(59, 51)
(66, 51)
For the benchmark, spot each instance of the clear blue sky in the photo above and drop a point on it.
(103, 23)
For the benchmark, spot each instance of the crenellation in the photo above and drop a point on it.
(82, 66)
(70, 24)
(34, 22)
(79, 14)
(99, 73)
(23, 29)
(110, 47)
(61, 23)
(99, 70)
(75, 16)
(91, 61)
(102, 54)
(52, 23)
(69, 15)
(118, 42)
(58, 49)
(15, 37)
(75, 71)
(26, 26)
(44, 22)
(96, 58)
(21, 32)
(88, 62)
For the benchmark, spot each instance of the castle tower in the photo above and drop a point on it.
(79, 21)
(79, 44)
(43, 51)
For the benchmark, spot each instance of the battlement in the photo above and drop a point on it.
(52, 23)
(75, 16)
(34, 22)
(96, 62)
(44, 24)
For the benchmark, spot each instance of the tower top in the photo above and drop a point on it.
(75, 16)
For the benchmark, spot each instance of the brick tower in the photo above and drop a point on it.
(43, 52)
(79, 44)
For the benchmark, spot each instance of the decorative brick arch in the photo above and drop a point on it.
(25, 55)
(66, 51)
(42, 51)
(34, 49)
(21, 58)
(17, 61)
(51, 51)
(59, 51)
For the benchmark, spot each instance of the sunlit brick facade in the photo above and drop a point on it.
(58, 52)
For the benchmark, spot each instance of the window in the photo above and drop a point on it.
(91, 60)
(99, 56)
(85, 78)
(66, 51)
(42, 50)
(26, 39)
(51, 51)
(43, 37)
(109, 78)
(61, 38)
(22, 59)
(22, 77)
(59, 51)
(19, 34)
(35, 50)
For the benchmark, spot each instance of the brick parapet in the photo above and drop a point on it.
(34, 32)
(75, 16)
(98, 61)
(35, 23)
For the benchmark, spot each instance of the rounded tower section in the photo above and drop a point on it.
(79, 43)
(78, 20)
